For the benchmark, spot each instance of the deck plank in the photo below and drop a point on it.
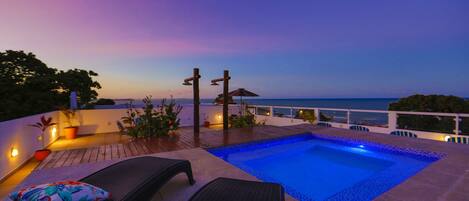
(115, 152)
(68, 161)
(120, 149)
(127, 151)
(133, 149)
(60, 162)
(47, 160)
(108, 152)
(101, 153)
(94, 154)
(53, 161)
(86, 156)
(80, 153)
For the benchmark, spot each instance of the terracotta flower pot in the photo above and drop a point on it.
(70, 132)
(206, 124)
(42, 154)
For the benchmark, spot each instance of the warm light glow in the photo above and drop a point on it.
(447, 138)
(53, 132)
(14, 152)
(301, 111)
(268, 113)
(219, 117)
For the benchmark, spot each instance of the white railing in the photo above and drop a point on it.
(392, 116)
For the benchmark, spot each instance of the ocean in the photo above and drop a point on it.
(343, 103)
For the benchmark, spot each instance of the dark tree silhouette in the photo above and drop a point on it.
(431, 103)
(28, 86)
(105, 101)
(80, 81)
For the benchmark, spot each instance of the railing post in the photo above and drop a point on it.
(291, 112)
(456, 125)
(348, 117)
(271, 109)
(317, 114)
(392, 120)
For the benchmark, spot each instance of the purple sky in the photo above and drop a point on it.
(278, 49)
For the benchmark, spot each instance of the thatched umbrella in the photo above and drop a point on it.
(242, 92)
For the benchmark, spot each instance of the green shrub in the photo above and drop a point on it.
(306, 115)
(248, 120)
(151, 122)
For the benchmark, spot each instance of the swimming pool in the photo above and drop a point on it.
(313, 167)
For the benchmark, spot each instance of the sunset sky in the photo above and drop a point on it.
(279, 49)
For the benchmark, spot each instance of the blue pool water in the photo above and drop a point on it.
(317, 168)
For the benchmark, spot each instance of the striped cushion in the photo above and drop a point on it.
(324, 124)
(404, 134)
(461, 140)
(359, 128)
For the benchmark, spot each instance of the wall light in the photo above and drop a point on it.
(219, 117)
(268, 113)
(14, 152)
(447, 138)
(53, 132)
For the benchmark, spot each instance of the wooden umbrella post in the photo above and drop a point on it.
(196, 103)
(195, 84)
(225, 79)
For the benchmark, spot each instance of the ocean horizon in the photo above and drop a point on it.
(343, 103)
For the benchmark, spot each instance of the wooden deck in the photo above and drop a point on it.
(184, 140)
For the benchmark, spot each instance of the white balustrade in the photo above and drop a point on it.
(392, 116)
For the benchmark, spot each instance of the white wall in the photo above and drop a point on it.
(279, 121)
(19, 135)
(104, 120)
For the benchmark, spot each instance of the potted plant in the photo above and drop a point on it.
(42, 125)
(70, 131)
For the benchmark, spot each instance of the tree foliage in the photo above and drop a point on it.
(105, 101)
(28, 86)
(219, 99)
(80, 81)
(431, 103)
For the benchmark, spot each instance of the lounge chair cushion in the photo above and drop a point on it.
(59, 191)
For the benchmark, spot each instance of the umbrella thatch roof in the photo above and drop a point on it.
(219, 99)
(242, 92)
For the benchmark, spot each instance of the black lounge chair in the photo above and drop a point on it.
(138, 178)
(225, 189)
